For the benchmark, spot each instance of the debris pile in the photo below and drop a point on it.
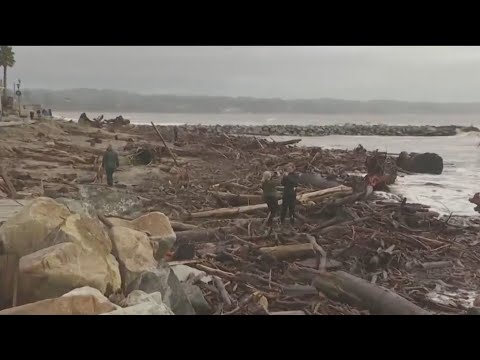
(184, 231)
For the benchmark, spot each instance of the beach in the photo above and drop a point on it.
(206, 186)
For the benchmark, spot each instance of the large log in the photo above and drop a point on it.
(316, 195)
(178, 226)
(341, 286)
(288, 252)
(225, 212)
(203, 235)
(238, 199)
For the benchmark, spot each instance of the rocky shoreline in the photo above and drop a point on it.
(325, 130)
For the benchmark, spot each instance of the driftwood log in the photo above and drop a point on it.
(344, 287)
(306, 197)
(237, 200)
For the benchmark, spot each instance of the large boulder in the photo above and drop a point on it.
(163, 280)
(133, 251)
(426, 163)
(89, 291)
(55, 270)
(69, 305)
(141, 303)
(84, 231)
(27, 231)
(157, 225)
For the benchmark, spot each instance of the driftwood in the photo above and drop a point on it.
(289, 252)
(236, 200)
(223, 212)
(320, 194)
(164, 143)
(178, 226)
(287, 142)
(11, 189)
(223, 292)
(341, 286)
(290, 312)
(203, 235)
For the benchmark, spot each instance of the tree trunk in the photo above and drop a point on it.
(4, 94)
(178, 226)
(203, 235)
(236, 200)
(341, 286)
(289, 252)
(312, 196)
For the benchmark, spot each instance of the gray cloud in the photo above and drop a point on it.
(363, 73)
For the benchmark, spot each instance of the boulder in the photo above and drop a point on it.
(164, 280)
(143, 309)
(141, 303)
(69, 305)
(27, 231)
(196, 298)
(89, 291)
(426, 163)
(184, 272)
(55, 270)
(74, 206)
(133, 251)
(84, 231)
(157, 225)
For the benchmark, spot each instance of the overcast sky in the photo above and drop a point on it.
(361, 73)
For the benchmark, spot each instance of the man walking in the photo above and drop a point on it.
(110, 163)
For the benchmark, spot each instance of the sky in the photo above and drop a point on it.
(408, 73)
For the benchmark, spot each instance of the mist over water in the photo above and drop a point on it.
(445, 193)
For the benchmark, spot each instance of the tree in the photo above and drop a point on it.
(7, 59)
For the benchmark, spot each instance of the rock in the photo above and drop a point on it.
(68, 305)
(89, 291)
(84, 231)
(426, 163)
(140, 297)
(133, 251)
(196, 298)
(73, 205)
(476, 302)
(143, 309)
(55, 270)
(157, 225)
(164, 280)
(183, 272)
(141, 303)
(27, 231)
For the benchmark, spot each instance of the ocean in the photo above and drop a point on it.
(446, 193)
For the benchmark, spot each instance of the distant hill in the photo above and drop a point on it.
(123, 101)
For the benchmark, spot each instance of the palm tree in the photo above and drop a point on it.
(7, 59)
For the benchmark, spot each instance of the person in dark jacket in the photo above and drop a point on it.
(110, 163)
(270, 196)
(289, 198)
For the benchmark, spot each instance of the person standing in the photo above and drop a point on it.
(270, 196)
(110, 163)
(289, 198)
